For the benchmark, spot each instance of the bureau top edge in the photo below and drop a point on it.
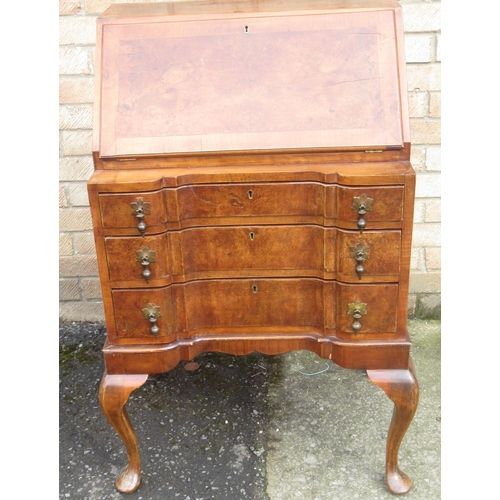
(348, 174)
(256, 158)
(173, 10)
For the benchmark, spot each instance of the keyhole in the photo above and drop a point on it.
(254, 288)
(250, 194)
(252, 236)
(246, 29)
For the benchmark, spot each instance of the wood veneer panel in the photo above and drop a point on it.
(381, 302)
(122, 259)
(254, 303)
(384, 248)
(326, 81)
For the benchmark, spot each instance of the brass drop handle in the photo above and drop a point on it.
(145, 256)
(140, 208)
(152, 313)
(362, 204)
(360, 252)
(356, 310)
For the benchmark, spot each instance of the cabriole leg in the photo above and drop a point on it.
(114, 392)
(402, 388)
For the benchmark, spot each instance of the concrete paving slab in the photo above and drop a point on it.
(255, 427)
(327, 432)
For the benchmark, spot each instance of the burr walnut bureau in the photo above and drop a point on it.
(253, 192)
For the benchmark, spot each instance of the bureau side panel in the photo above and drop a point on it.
(406, 242)
(101, 258)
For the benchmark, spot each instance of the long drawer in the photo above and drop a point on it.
(271, 305)
(269, 203)
(246, 251)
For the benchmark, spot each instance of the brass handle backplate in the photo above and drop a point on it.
(145, 256)
(362, 204)
(140, 208)
(152, 313)
(356, 310)
(360, 252)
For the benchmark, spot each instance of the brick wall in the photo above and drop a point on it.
(79, 290)
(422, 23)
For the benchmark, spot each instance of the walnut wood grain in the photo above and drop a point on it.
(352, 354)
(402, 388)
(251, 199)
(383, 262)
(253, 251)
(151, 174)
(114, 392)
(116, 211)
(250, 128)
(248, 75)
(232, 204)
(228, 306)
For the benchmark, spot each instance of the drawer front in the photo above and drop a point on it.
(223, 306)
(131, 324)
(377, 306)
(123, 213)
(276, 305)
(131, 258)
(371, 256)
(214, 305)
(250, 249)
(384, 204)
(254, 251)
(122, 210)
(247, 200)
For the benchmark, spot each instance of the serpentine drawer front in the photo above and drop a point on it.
(252, 199)
(194, 205)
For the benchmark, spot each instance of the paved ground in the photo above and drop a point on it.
(257, 427)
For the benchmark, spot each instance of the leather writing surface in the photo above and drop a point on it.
(263, 83)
